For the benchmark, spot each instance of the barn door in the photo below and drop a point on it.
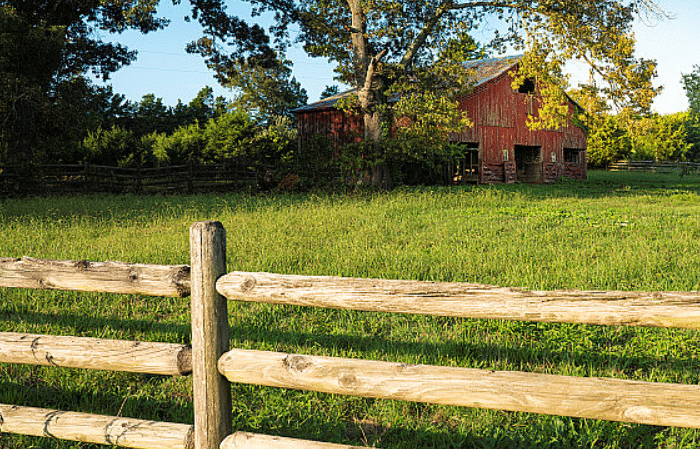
(528, 163)
(465, 168)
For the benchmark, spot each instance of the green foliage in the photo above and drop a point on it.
(693, 136)
(608, 140)
(229, 136)
(691, 84)
(423, 123)
(330, 91)
(317, 161)
(661, 137)
(185, 144)
(265, 92)
(113, 147)
(276, 143)
(44, 47)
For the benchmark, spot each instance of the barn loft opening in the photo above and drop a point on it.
(527, 87)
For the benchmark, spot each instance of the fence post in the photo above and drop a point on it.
(212, 392)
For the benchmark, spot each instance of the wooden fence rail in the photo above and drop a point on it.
(99, 178)
(167, 359)
(213, 365)
(656, 166)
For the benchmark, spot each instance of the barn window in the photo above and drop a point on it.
(527, 87)
(572, 155)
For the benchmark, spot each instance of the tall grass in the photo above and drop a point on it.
(614, 231)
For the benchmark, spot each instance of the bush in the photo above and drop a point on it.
(661, 137)
(114, 147)
(608, 141)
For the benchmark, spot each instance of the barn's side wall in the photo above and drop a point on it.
(338, 126)
(499, 114)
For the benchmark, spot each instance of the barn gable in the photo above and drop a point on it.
(499, 147)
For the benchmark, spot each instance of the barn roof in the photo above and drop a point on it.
(484, 71)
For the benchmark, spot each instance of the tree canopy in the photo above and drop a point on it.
(691, 84)
(47, 48)
(413, 49)
(382, 47)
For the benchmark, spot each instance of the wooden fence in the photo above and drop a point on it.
(213, 365)
(68, 178)
(656, 166)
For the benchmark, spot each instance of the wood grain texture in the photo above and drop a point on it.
(595, 398)
(657, 309)
(96, 353)
(246, 440)
(110, 430)
(106, 277)
(211, 391)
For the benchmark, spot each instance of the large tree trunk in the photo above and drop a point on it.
(370, 96)
(379, 175)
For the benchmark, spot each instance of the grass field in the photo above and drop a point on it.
(615, 231)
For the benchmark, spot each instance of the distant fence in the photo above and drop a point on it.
(213, 366)
(656, 166)
(70, 178)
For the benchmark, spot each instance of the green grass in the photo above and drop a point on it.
(614, 231)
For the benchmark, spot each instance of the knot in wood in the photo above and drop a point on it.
(348, 381)
(248, 284)
(297, 363)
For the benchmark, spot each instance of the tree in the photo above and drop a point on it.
(661, 137)
(385, 47)
(608, 141)
(330, 91)
(691, 84)
(266, 92)
(46, 44)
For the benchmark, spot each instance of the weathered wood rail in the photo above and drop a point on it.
(211, 391)
(70, 178)
(213, 365)
(655, 166)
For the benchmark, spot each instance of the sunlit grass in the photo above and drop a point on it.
(614, 231)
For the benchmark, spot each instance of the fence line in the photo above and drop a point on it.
(99, 178)
(656, 166)
(214, 366)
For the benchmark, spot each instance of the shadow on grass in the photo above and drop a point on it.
(267, 410)
(494, 353)
(147, 208)
(87, 325)
(498, 350)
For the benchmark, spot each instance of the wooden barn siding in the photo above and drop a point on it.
(499, 114)
(496, 128)
(339, 127)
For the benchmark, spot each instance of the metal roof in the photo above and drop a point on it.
(484, 70)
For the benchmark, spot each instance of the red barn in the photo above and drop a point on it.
(499, 147)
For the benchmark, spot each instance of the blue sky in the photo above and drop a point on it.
(166, 70)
